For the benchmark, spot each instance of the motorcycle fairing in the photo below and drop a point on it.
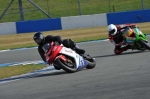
(139, 35)
(132, 37)
(129, 35)
(62, 57)
(53, 52)
(80, 62)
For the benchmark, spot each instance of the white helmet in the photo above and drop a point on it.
(112, 29)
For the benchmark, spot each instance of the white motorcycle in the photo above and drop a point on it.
(66, 58)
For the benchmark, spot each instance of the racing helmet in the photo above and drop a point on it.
(112, 29)
(39, 38)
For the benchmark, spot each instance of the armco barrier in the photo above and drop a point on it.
(38, 25)
(129, 17)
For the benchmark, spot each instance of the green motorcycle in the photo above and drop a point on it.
(136, 39)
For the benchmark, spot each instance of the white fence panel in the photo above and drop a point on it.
(8, 28)
(83, 21)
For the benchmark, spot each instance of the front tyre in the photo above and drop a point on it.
(144, 44)
(68, 67)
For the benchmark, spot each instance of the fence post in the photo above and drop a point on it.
(48, 7)
(79, 7)
(109, 5)
(21, 10)
(142, 2)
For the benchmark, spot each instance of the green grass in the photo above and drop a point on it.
(18, 70)
(63, 8)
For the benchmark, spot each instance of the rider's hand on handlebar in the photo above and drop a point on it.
(56, 43)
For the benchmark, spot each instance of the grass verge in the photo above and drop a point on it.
(6, 72)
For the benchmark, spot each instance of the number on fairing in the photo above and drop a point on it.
(82, 63)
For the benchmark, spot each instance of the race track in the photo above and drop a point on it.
(125, 76)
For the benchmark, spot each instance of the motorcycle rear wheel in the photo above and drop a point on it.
(91, 61)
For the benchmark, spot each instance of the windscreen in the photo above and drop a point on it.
(46, 47)
(128, 32)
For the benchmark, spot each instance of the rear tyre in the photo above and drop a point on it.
(91, 61)
(144, 43)
(68, 67)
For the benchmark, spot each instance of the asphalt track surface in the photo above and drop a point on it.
(125, 76)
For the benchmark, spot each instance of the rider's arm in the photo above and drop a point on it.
(55, 38)
(41, 52)
(119, 27)
(111, 39)
(132, 25)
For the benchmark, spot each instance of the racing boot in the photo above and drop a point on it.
(78, 50)
(117, 52)
(127, 47)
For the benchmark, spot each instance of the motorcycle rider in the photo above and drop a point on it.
(116, 37)
(41, 40)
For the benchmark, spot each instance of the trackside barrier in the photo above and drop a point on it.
(129, 17)
(8, 28)
(83, 21)
(38, 25)
(72, 22)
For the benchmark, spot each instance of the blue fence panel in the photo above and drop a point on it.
(129, 17)
(38, 25)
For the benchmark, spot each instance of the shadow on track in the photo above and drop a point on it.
(59, 72)
(125, 53)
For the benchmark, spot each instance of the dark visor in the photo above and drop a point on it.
(112, 31)
(38, 41)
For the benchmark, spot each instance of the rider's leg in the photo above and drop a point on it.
(71, 44)
(119, 49)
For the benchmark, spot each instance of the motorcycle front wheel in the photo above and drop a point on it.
(69, 67)
(145, 44)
